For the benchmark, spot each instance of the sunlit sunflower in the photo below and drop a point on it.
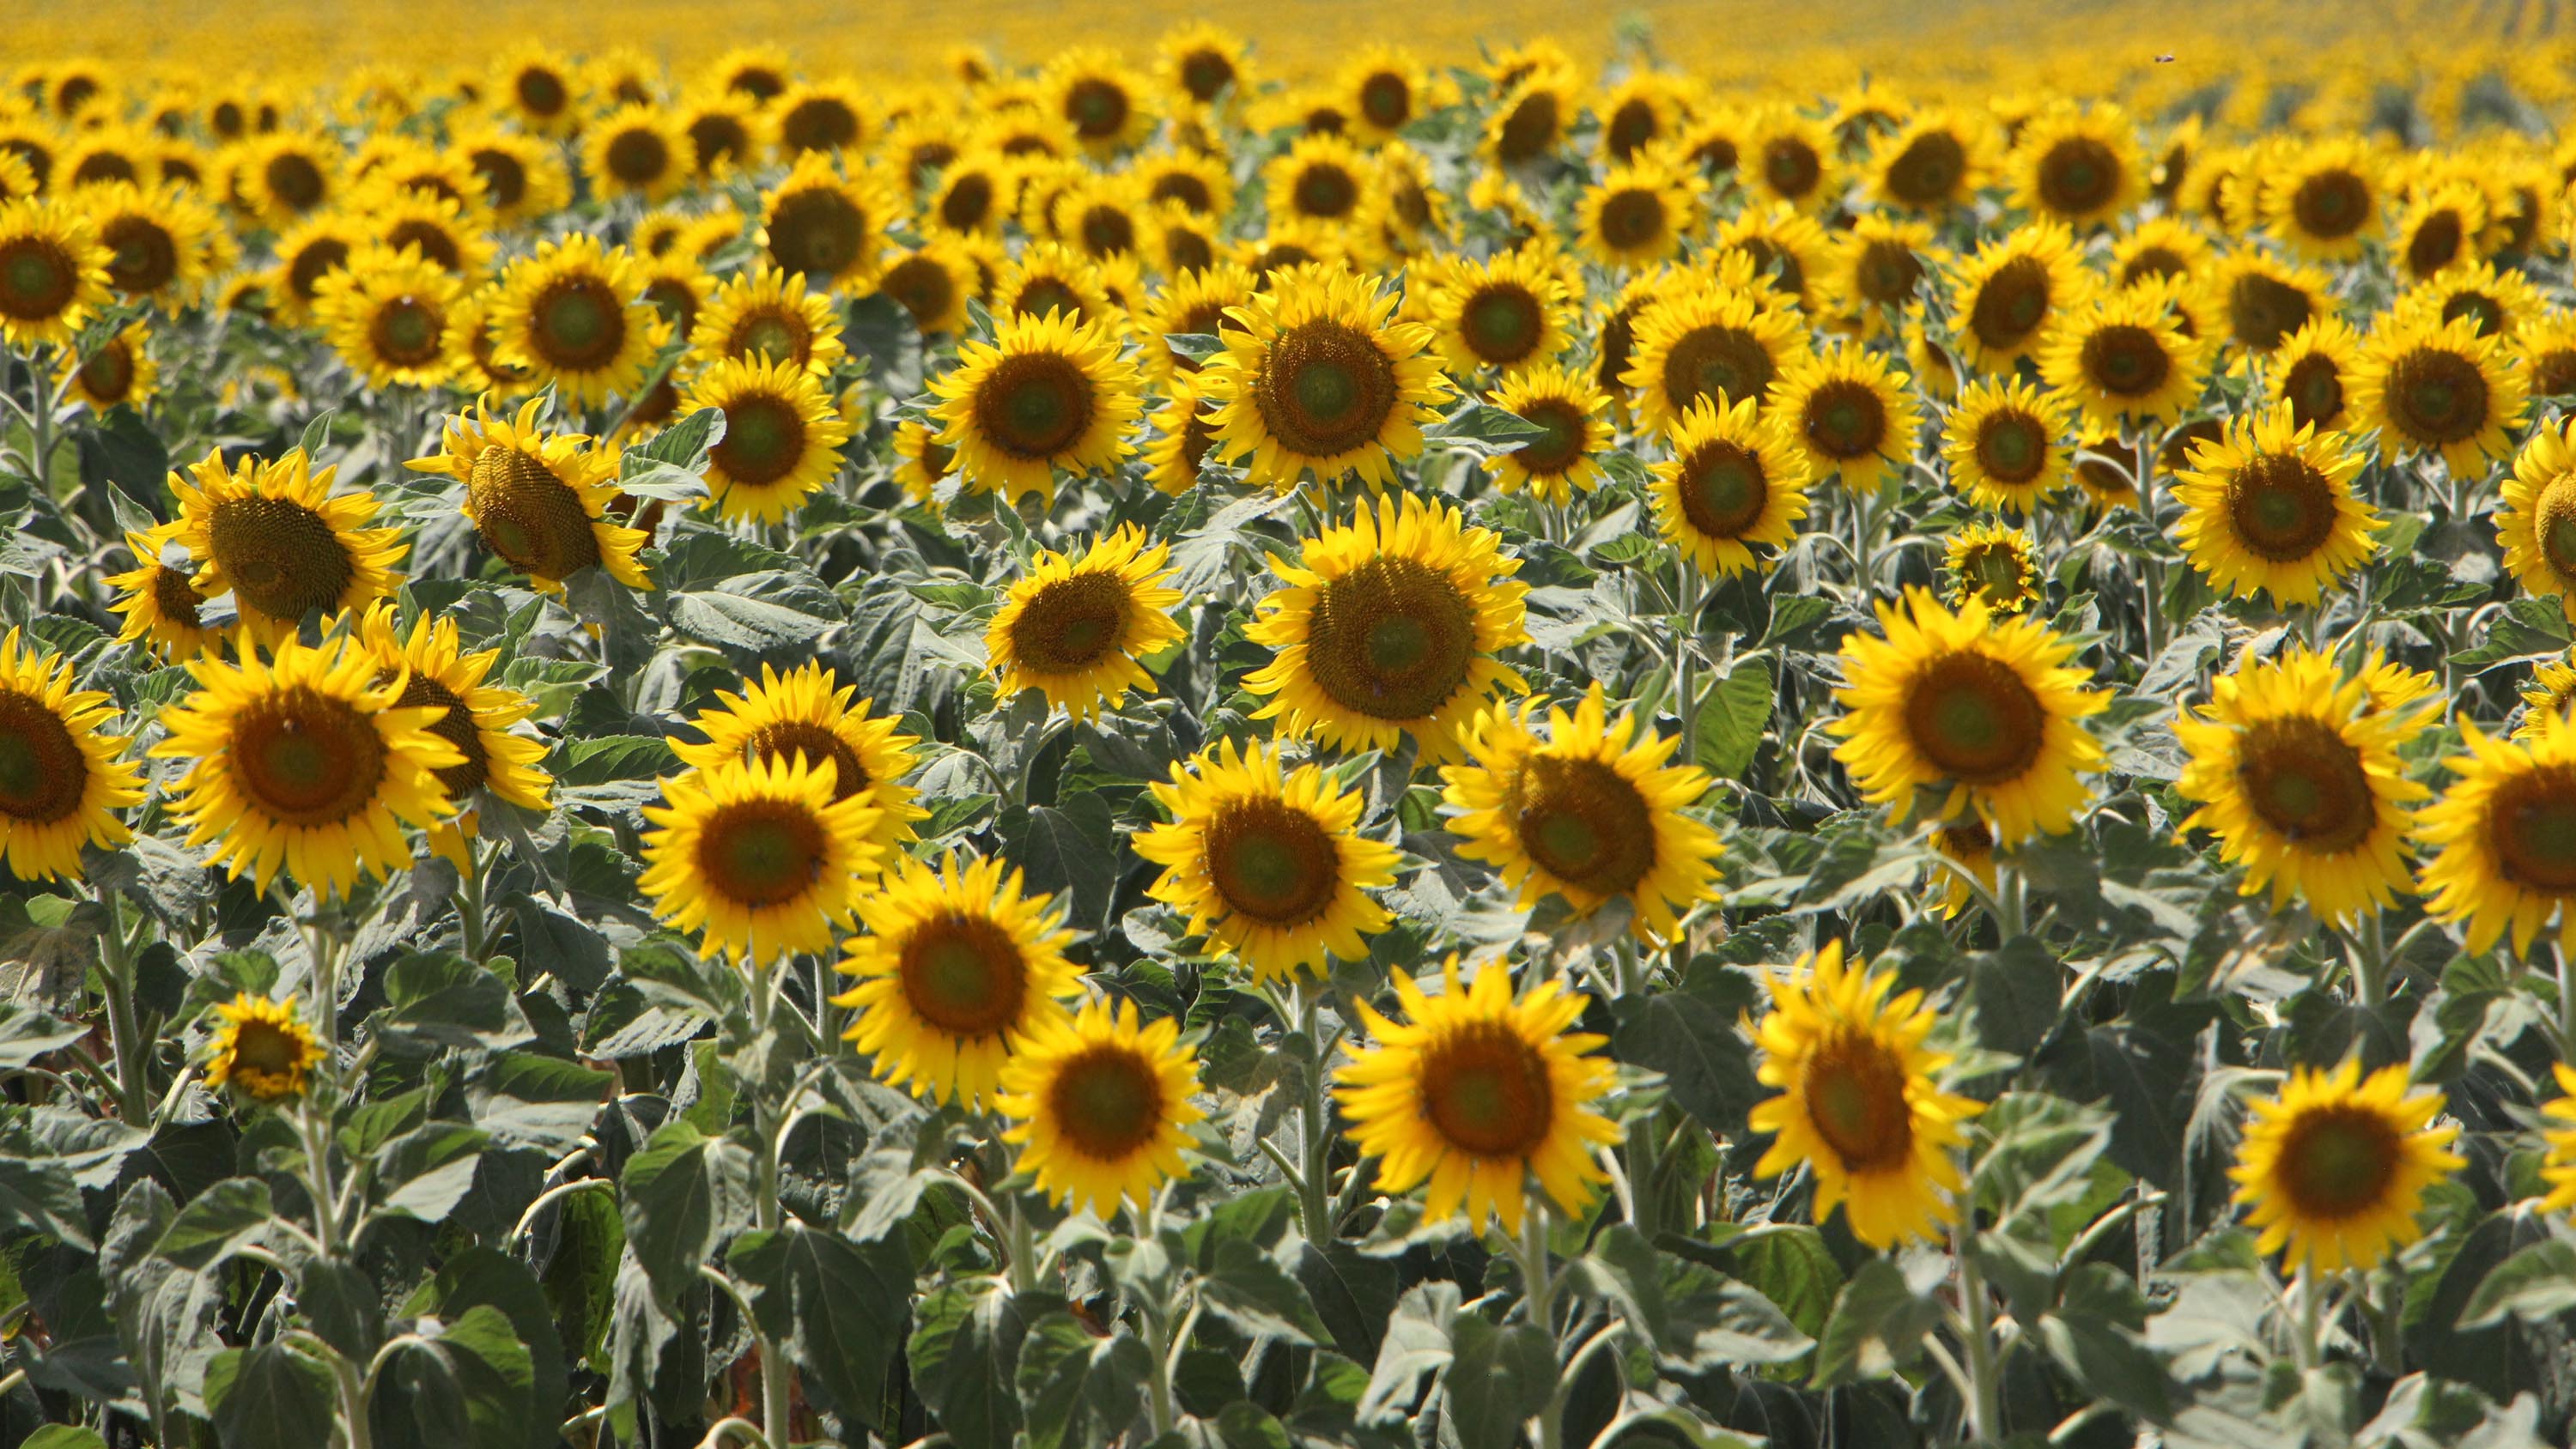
(767, 314)
(160, 239)
(933, 282)
(303, 760)
(723, 131)
(538, 500)
(782, 437)
(439, 228)
(1049, 277)
(1851, 413)
(435, 671)
(1937, 373)
(828, 228)
(1994, 565)
(1508, 312)
(1384, 90)
(1530, 119)
(1321, 378)
(761, 854)
(1074, 628)
(522, 176)
(53, 271)
(2121, 357)
(2162, 247)
(1318, 179)
(1099, 1105)
(2268, 301)
(1735, 479)
(2009, 445)
(1184, 435)
(272, 535)
(392, 317)
(572, 314)
(119, 370)
(2438, 389)
(1268, 861)
(819, 117)
(2440, 227)
(306, 255)
(643, 151)
(957, 963)
(1790, 157)
(1387, 627)
(2078, 166)
(1104, 103)
(2322, 198)
(160, 602)
(1202, 63)
(1194, 303)
(1860, 1104)
(2334, 1170)
(1707, 344)
(262, 1050)
(1047, 393)
(2558, 1134)
(62, 776)
(1935, 160)
(1289, 248)
(807, 714)
(1638, 214)
(286, 176)
(1987, 708)
(1565, 459)
(1871, 277)
(2270, 506)
(2311, 373)
(2007, 294)
(2505, 836)
(1476, 1092)
(2536, 525)
(540, 92)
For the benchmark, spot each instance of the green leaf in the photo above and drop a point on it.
(2531, 627)
(1196, 346)
(683, 444)
(1497, 1378)
(222, 1220)
(839, 1308)
(63, 1436)
(317, 435)
(547, 1102)
(269, 1395)
(2013, 994)
(2094, 1334)
(1877, 1326)
(1078, 1389)
(1789, 1264)
(485, 1279)
(436, 1000)
(1416, 1345)
(1695, 1319)
(2535, 1284)
(427, 1171)
(26, 1034)
(496, 1376)
(965, 1351)
(778, 612)
(1689, 1034)
(682, 1196)
(1352, 1293)
(1248, 1289)
(1732, 716)
(1072, 850)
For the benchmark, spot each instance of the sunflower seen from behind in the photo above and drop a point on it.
(63, 777)
(1735, 482)
(807, 713)
(1100, 1105)
(1475, 1092)
(1321, 378)
(1075, 628)
(1046, 394)
(538, 499)
(1860, 1102)
(2333, 1170)
(261, 1049)
(760, 854)
(782, 438)
(273, 535)
(2269, 507)
(2502, 837)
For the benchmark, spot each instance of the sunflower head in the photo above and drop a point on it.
(761, 853)
(1735, 480)
(475, 717)
(2333, 1170)
(539, 500)
(1046, 393)
(1322, 378)
(53, 270)
(2503, 836)
(1995, 565)
(824, 226)
(262, 1049)
(273, 535)
(1100, 1105)
(2269, 505)
(1075, 628)
(573, 314)
(62, 776)
(2008, 445)
(1851, 413)
(1564, 458)
(782, 437)
(2439, 388)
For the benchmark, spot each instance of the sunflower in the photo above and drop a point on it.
(1185, 432)
(2270, 506)
(2162, 247)
(2440, 228)
(1969, 847)
(438, 227)
(160, 240)
(2558, 1134)
(285, 177)
(2537, 524)
(723, 132)
(2008, 293)
(1194, 303)
(2311, 373)
(54, 271)
(1860, 1105)
(1507, 312)
(435, 671)
(2500, 302)
(2121, 357)
(2322, 198)
(2077, 166)
(522, 176)
(539, 501)
(272, 535)
(1935, 160)
(307, 254)
(1047, 393)
(1994, 565)
(1638, 214)
(573, 315)
(263, 1049)
(1530, 118)
(1099, 1105)
(392, 317)
(2439, 389)
(2268, 301)
(1196, 180)
(827, 228)
(1318, 179)
(2546, 350)
(933, 282)
(1851, 413)
(1987, 707)
(807, 714)
(1268, 860)
(2503, 832)
(1875, 269)
(968, 195)
(1050, 277)
(782, 437)
(539, 92)
(1074, 629)
(1736, 478)
(1094, 94)
(1476, 1092)
(957, 964)
(1289, 248)
(119, 370)
(1789, 158)
(1565, 459)
(160, 601)
(1320, 378)
(759, 852)
(1200, 62)
(1707, 344)
(1387, 627)
(1385, 90)
(642, 151)
(758, 74)
(2334, 1169)
(822, 117)
(62, 777)
(2008, 445)
(1936, 370)
(304, 760)
(768, 315)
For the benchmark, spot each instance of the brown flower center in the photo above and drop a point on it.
(1072, 623)
(2337, 1162)
(305, 758)
(1107, 1101)
(756, 853)
(2306, 783)
(1393, 639)
(1486, 1091)
(1035, 405)
(1585, 823)
(1855, 1094)
(43, 773)
(1325, 389)
(1974, 718)
(1271, 862)
(963, 974)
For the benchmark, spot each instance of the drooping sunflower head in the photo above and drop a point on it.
(782, 437)
(1995, 565)
(273, 535)
(2504, 836)
(2270, 506)
(828, 228)
(573, 314)
(1565, 458)
(2008, 444)
(2439, 388)
(262, 1049)
(1860, 1103)
(2333, 1170)
(1322, 378)
(1708, 343)
(1074, 628)
(1852, 414)
(1047, 392)
(807, 714)
(53, 271)
(1735, 480)
(1100, 1104)
(1508, 312)
(1639, 213)
(2009, 292)
(539, 500)
(62, 776)
(1388, 627)
(760, 853)
(957, 964)
(1475, 1092)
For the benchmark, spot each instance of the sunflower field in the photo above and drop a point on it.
(1472, 742)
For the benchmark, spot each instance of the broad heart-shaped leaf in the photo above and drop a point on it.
(485, 1279)
(1416, 1344)
(1352, 1292)
(1732, 716)
(965, 1355)
(2536, 1283)
(467, 1381)
(1246, 1287)
(437, 999)
(42, 1197)
(268, 1395)
(1078, 1389)
(1689, 1035)
(525, 1099)
(26, 1034)
(425, 1172)
(683, 444)
(1878, 1324)
(777, 612)
(1497, 1377)
(1695, 1318)
(2094, 1334)
(838, 1307)
(219, 1222)
(682, 1196)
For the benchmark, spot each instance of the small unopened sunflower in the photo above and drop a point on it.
(1321, 378)
(2439, 389)
(1269, 861)
(538, 500)
(2333, 1170)
(573, 315)
(262, 1050)
(1564, 459)
(1047, 393)
(435, 671)
(1985, 710)
(2503, 836)
(2009, 445)
(957, 964)
(1508, 312)
(760, 853)
(1851, 413)
(1994, 565)
(1735, 480)
(272, 535)
(53, 271)
(769, 315)
(782, 437)
(1074, 628)
(1388, 626)
(62, 777)
(1708, 343)
(1100, 1105)
(1860, 1102)
(1476, 1092)
(2270, 507)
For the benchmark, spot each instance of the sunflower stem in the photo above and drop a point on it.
(2370, 964)
(768, 1215)
(1685, 652)
(1985, 1400)
(2144, 476)
(469, 903)
(2566, 1003)
(124, 1026)
(1315, 1209)
(1540, 1288)
(2311, 1331)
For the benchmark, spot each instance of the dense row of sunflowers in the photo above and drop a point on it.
(1472, 753)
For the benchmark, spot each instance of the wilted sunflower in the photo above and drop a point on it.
(1269, 861)
(2078, 166)
(759, 852)
(1508, 312)
(782, 437)
(1047, 393)
(392, 318)
(2334, 1169)
(272, 535)
(304, 761)
(2008, 293)
(1987, 708)
(1707, 343)
(2301, 783)
(1860, 1105)
(62, 777)
(2505, 836)
(435, 670)
(2008, 444)
(1388, 626)
(2270, 507)
(120, 370)
(1591, 812)
(1735, 480)
(1935, 160)
(539, 501)
(1994, 565)
(1074, 628)
(573, 315)
(160, 601)
(1099, 1105)
(2442, 389)
(1565, 458)
(1322, 379)
(957, 964)
(2121, 357)
(1851, 413)
(1638, 214)
(53, 271)
(1476, 1093)
(827, 228)
(263, 1049)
